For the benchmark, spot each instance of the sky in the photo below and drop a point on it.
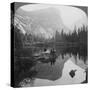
(71, 16)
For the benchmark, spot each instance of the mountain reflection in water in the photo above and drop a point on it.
(58, 73)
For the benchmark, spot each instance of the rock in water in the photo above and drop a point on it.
(72, 73)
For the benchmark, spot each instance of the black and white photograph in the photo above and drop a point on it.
(49, 44)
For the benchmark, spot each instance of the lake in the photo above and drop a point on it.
(59, 73)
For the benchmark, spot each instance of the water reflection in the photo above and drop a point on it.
(59, 72)
(65, 78)
(69, 66)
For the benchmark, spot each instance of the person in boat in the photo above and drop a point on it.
(52, 55)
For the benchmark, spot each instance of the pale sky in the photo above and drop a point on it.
(69, 14)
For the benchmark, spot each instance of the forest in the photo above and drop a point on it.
(76, 39)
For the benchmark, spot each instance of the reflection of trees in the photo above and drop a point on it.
(72, 43)
(76, 52)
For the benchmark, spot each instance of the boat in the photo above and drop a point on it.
(44, 56)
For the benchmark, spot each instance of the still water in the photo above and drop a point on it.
(58, 73)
